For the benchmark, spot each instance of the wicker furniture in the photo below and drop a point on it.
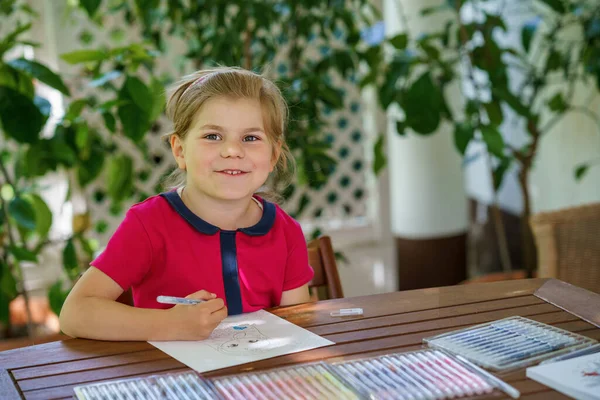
(568, 245)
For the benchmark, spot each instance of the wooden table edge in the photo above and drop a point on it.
(573, 299)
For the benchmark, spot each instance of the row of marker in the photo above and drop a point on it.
(310, 381)
(185, 386)
(419, 375)
(416, 375)
(508, 343)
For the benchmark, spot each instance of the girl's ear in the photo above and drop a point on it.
(177, 150)
(276, 154)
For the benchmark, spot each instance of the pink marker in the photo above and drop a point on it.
(443, 382)
(446, 362)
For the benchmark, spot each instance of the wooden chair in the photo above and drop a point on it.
(324, 285)
(568, 245)
(326, 282)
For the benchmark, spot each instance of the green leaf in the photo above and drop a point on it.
(10, 39)
(17, 80)
(22, 212)
(398, 68)
(109, 121)
(19, 116)
(8, 284)
(400, 41)
(158, 99)
(432, 10)
(75, 109)
(527, 33)
(493, 140)
(343, 62)
(57, 297)
(401, 128)
(89, 169)
(108, 105)
(430, 50)
(513, 101)
(134, 120)
(494, 112)
(494, 21)
(140, 93)
(82, 136)
(379, 158)
(580, 171)
(423, 105)
(557, 103)
(70, 259)
(43, 215)
(119, 177)
(463, 134)
(500, 171)
(90, 6)
(22, 254)
(556, 5)
(554, 61)
(40, 72)
(82, 56)
(330, 96)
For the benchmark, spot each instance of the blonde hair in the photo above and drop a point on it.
(187, 96)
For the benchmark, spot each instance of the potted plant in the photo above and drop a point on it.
(421, 68)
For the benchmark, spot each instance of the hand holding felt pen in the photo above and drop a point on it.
(196, 321)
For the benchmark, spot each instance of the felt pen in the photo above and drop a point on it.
(581, 352)
(177, 300)
(500, 384)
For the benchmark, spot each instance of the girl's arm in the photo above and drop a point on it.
(295, 296)
(91, 311)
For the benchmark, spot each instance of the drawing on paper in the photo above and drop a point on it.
(238, 340)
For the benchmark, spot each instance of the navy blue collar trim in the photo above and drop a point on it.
(262, 227)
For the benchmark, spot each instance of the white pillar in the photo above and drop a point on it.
(428, 200)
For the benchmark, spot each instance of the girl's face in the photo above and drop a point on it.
(227, 153)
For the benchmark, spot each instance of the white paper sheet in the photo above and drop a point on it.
(241, 339)
(578, 377)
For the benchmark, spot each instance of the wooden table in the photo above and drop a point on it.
(392, 322)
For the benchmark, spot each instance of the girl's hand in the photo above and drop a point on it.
(196, 322)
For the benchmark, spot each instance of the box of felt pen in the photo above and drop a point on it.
(302, 381)
(184, 385)
(422, 374)
(509, 343)
(430, 374)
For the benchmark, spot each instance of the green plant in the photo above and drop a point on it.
(317, 41)
(422, 67)
(76, 146)
(26, 155)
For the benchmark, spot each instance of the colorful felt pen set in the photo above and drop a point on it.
(187, 385)
(450, 368)
(425, 374)
(509, 343)
(307, 381)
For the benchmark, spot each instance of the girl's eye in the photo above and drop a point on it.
(212, 136)
(251, 138)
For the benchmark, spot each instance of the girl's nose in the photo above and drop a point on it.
(231, 148)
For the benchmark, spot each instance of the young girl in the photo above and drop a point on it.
(212, 238)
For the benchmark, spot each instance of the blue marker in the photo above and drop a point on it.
(177, 300)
